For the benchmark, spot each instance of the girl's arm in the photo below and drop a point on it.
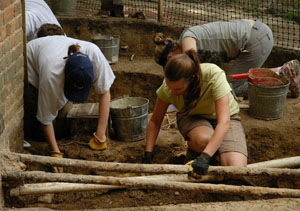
(188, 43)
(103, 113)
(155, 123)
(223, 117)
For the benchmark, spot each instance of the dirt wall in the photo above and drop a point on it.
(134, 33)
(136, 40)
(141, 76)
(137, 35)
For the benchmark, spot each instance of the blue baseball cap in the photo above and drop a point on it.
(79, 75)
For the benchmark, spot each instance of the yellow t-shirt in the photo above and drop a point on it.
(214, 86)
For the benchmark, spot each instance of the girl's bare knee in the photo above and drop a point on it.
(198, 143)
(233, 159)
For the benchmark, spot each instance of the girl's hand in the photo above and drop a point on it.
(148, 157)
(200, 165)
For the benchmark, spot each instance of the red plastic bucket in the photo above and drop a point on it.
(262, 77)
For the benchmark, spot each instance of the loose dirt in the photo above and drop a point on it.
(266, 140)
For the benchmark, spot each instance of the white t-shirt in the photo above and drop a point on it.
(45, 58)
(37, 14)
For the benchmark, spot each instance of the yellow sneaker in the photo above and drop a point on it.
(97, 144)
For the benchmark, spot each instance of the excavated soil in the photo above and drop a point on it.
(140, 76)
(266, 140)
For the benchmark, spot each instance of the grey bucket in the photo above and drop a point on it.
(129, 118)
(267, 102)
(109, 45)
(63, 7)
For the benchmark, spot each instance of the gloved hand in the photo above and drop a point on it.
(56, 169)
(97, 144)
(199, 166)
(147, 159)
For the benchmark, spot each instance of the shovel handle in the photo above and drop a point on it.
(239, 76)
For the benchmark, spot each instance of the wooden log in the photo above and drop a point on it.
(181, 178)
(58, 187)
(291, 162)
(101, 166)
(227, 171)
(61, 187)
(36, 176)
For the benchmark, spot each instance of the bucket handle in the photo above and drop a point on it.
(120, 97)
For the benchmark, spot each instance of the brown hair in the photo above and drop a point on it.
(161, 41)
(75, 48)
(186, 66)
(48, 29)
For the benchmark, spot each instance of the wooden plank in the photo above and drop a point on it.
(58, 187)
(227, 171)
(83, 110)
(37, 176)
(160, 10)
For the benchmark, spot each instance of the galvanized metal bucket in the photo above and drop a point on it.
(267, 102)
(109, 45)
(129, 118)
(63, 7)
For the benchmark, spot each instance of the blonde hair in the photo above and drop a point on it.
(161, 41)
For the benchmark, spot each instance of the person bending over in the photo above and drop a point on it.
(37, 13)
(208, 116)
(61, 70)
(247, 42)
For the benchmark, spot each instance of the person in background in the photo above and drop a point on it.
(208, 115)
(37, 13)
(63, 69)
(247, 42)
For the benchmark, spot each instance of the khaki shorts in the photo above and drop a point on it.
(234, 141)
(254, 55)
